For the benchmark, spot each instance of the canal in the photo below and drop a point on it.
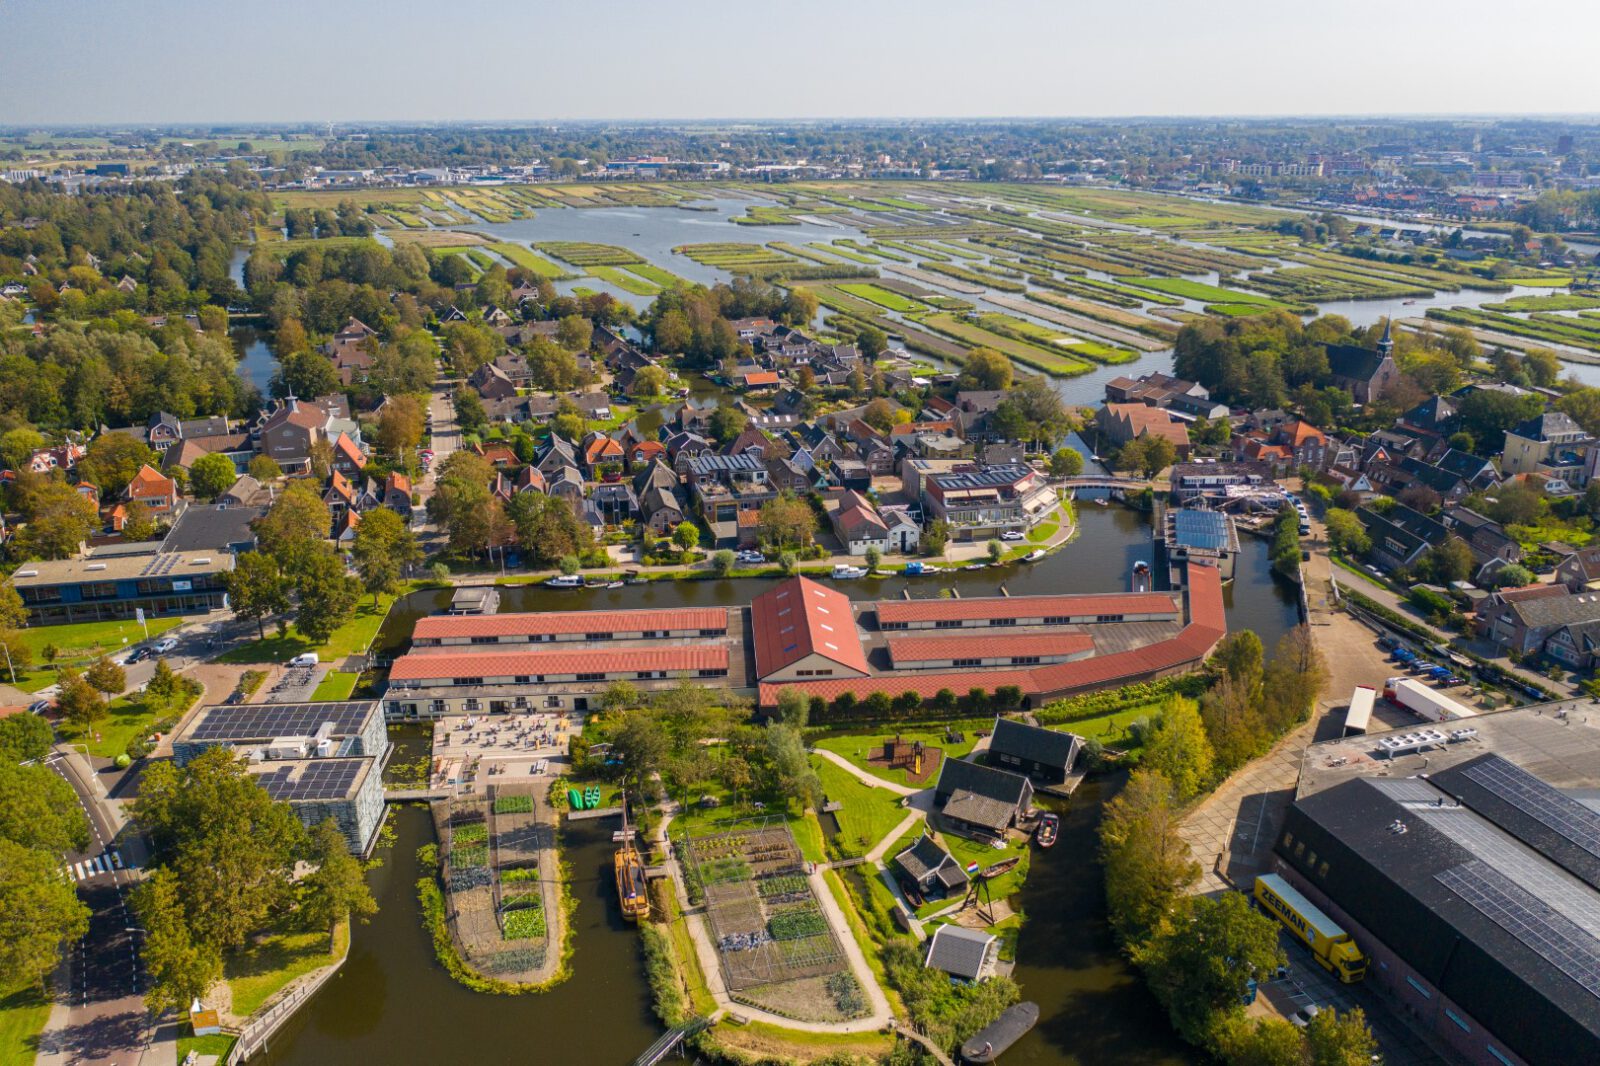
(393, 1003)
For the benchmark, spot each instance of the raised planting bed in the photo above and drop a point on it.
(585, 254)
(513, 805)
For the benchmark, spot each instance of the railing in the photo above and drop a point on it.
(669, 1041)
(253, 1036)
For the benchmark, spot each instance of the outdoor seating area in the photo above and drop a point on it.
(467, 750)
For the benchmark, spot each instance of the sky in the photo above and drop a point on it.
(223, 61)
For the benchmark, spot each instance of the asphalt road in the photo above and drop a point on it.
(105, 1020)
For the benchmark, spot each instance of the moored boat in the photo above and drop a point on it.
(1049, 827)
(632, 892)
(844, 571)
(1034, 556)
(1011, 1026)
(1139, 581)
(564, 581)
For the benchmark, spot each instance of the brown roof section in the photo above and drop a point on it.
(801, 618)
(150, 482)
(419, 666)
(346, 447)
(932, 649)
(543, 622)
(1207, 625)
(1124, 603)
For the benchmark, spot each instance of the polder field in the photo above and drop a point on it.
(1062, 280)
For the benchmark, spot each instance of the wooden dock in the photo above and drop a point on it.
(594, 812)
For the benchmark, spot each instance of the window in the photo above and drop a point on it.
(1495, 1052)
(968, 662)
(1288, 838)
(1108, 618)
(1414, 983)
(471, 705)
(466, 681)
(709, 633)
(597, 636)
(1024, 660)
(1300, 849)
(485, 640)
(1322, 871)
(947, 623)
(592, 677)
(1002, 621)
(1056, 619)
(713, 673)
(1311, 860)
(1453, 1016)
(522, 679)
(552, 701)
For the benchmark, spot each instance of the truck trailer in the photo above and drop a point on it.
(1423, 701)
(1359, 715)
(1330, 945)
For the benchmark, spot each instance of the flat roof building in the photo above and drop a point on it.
(1470, 873)
(115, 585)
(350, 791)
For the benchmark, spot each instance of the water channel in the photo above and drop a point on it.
(393, 1003)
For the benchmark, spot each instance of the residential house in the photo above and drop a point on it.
(616, 503)
(904, 534)
(981, 801)
(965, 954)
(599, 451)
(155, 490)
(492, 383)
(1580, 571)
(1045, 755)
(348, 459)
(1486, 537)
(1123, 422)
(929, 870)
(979, 504)
(288, 431)
(1402, 536)
(858, 525)
(1550, 444)
(1523, 621)
(397, 494)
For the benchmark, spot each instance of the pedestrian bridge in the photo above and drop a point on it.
(670, 1040)
(1107, 482)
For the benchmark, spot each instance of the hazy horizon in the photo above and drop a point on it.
(183, 62)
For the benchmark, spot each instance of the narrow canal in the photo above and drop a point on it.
(393, 1003)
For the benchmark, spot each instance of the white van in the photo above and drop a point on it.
(308, 659)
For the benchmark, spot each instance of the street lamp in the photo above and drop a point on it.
(9, 667)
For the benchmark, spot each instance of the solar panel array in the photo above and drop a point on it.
(160, 564)
(1201, 529)
(1556, 939)
(319, 779)
(1533, 797)
(245, 721)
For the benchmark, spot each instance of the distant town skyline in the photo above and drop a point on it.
(359, 60)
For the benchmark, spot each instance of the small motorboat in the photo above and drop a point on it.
(976, 566)
(1100, 501)
(846, 572)
(1034, 556)
(564, 581)
(1012, 1025)
(1140, 579)
(1049, 828)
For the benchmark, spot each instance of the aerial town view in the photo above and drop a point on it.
(554, 549)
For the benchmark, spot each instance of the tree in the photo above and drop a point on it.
(13, 612)
(257, 589)
(936, 537)
(39, 810)
(1338, 1039)
(137, 521)
(59, 519)
(871, 341)
(788, 562)
(1294, 678)
(231, 848)
(305, 374)
(1158, 454)
(1178, 749)
(1346, 533)
(874, 556)
(18, 445)
(793, 708)
(986, 369)
(574, 332)
(25, 736)
(1242, 1040)
(400, 426)
(1449, 562)
(112, 460)
(321, 458)
(40, 915)
(19, 653)
(383, 548)
(787, 752)
(264, 468)
(180, 970)
(996, 551)
(106, 676)
(327, 595)
(620, 695)
(879, 414)
(1147, 864)
(78, 701)
(1240, 656)
(470, 414)
(722, 562)
(649, 381)
(296, 524)
(686, 536)
(1199, 964)
(1066, 462)
(788, 521)
(337, 888)
(547, 528)
(642, 745)
(211, 475)
(727, 422)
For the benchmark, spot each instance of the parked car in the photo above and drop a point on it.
(138, 655)
(1012, 534)
(1303, 1016)
(165, 644)
(40, 706)
(307, 659)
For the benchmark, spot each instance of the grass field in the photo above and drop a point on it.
(868, 815)
(336, 685)
(1028, 354)
(22, 1018)
(352, 638)
(79, 643)
(264, 967)
(855, 746)
(585, 254)
(625, 280)
(127, 719)
(527, 260)
(666, 279)
(876, 294)
(1197, 290)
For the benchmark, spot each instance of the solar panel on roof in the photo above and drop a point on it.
(1538, 800)
(323, 779)
(1201, 529)
(228, 722)
(1554, 938)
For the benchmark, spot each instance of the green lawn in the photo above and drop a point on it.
(967, 852)
(22, 1018)
(1111, 728)
(1196, 290)
(1045, 529)
(652, 273)
(266, 966)
(868, 815)
(526, 259)
(80, 643)
(697, 821)
(855, 746)
(877, 294)
(128, 719)
(336, 685)
(218, 1045)
(352, 638)
(625, 281)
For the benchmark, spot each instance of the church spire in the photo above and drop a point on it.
(1386, 342)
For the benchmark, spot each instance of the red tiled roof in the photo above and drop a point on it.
(893, 611)
(399, 482)
(801, 618)
(760, 377)
(541, 622)
(150, 482)
(347, 447)
(926, 649)
(1207, 625)
(426, 666)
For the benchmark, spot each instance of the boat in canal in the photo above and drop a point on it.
(564, 581)
(1139, 581)
(1034, 556)
(846, 572)
(1049, 828)
(632, 892)
(988, 1044)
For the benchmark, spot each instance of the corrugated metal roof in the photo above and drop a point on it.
(428, 665)
(537, 623)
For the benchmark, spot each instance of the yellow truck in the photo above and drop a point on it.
(1330, 945)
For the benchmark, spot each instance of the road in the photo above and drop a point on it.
(100, 1015)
